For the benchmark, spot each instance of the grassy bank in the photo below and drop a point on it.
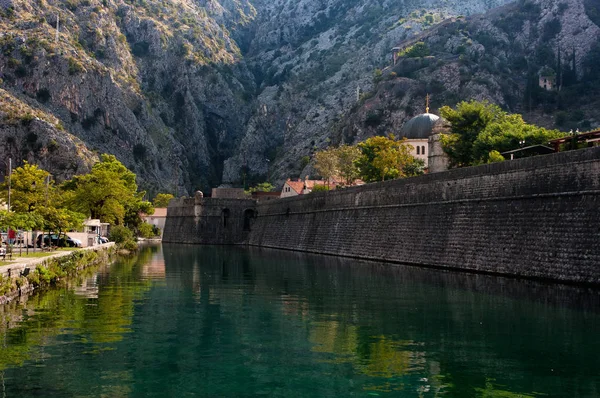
(51, 271)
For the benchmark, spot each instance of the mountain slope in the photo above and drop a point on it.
(496, 57)
(159, 84)
(192, 93)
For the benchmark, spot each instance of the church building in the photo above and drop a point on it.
(423, 133)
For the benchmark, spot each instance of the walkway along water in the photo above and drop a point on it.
(24, 275)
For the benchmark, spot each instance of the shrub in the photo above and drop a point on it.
(74, 66)
(377, 76)
(43, 95)
(320, 188)
(373, 118)
(145, 230)
(130, 245)
(139, 152)
(120, 234)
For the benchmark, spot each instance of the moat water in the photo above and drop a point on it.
(179, 321)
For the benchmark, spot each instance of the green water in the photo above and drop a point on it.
(182, 321)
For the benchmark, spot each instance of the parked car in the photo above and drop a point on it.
(55, 240)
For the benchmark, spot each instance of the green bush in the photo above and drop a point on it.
(145, 230)
(75, 66)
(120, 234)
(320, 188)
(130, 245)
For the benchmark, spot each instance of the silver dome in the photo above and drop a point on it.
(419, 127)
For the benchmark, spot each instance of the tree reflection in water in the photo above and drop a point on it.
(225, 321)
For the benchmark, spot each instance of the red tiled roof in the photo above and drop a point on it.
(297, 186)
(158, 212)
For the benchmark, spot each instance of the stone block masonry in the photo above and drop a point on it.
(537, 217)
(208, 221)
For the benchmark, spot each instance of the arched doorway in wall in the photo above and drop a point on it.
(225, 214)
(249, 214)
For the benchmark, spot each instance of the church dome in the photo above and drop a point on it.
(419, 127)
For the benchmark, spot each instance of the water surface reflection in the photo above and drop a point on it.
(225, 321)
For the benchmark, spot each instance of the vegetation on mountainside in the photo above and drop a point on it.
(500, 57)
(181, 71)
(480, 130)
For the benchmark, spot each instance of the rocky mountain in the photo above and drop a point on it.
(193, 93)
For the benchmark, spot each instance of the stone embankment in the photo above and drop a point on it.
(536, 218)
(533, 218)
(24, 274)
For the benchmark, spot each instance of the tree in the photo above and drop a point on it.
(262, 187)
(468, 120)
(347, 156)
(59, 220)
(326, 163)
(31, 188)
(145, 230)
(508, 134)
(109, 193)
(414, 168)
(383, 158)
(162, 199)
(478, 128)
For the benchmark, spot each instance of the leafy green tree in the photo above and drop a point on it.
(145, 230)
(162, 200)
(31, 188)
(508, 134)
(326, 163)
(24, 221)
(109, 193)
(414, 168)
(468, 120)
(347, 156)
(495, 156)
(120, 234)
(478, 128)
(262, 187)
(59, 219)
(383, 158)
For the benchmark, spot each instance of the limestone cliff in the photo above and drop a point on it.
(159, 84)
(192, 93)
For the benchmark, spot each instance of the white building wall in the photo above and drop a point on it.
(420, 149)
(287, 191)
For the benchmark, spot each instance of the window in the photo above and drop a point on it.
(225, 217)
(423, 150)
(248, 216)
(418, 148)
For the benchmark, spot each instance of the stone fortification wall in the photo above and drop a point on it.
(536, 217)
(208, 221)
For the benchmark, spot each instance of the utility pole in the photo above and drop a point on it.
(357, 93)
(9, 178)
